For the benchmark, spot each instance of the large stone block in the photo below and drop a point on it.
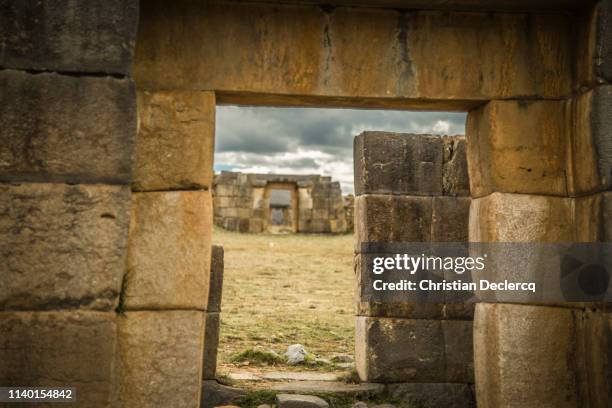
(60, 349)
(450, 219)
(407, 350)
(169, 250)
(160, 358)
(211, 345)
(94, 37)
(591, 144)
(66, 128)
(175, 143)
(594, 37)
(389, 218)
(455, 180)
(438, 395)
(398, 163)
(521, 218)
(62, 246)
(410, 307)
(518, 147)
(416, 310)
(534, 356)
(383, 57)
(216, 279)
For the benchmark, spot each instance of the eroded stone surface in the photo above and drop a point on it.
(514, 363)
(591, 144)
(169, 256)
(318, 387)
(455, 181)
(97, 36)
(66, 128)
(390, 218)
(439, 395)
(398, 163)
(59, 349)
(300, 401)
(62, 246)
(175, 143)
(312, 51)
(407, 350)
(518, 147)
(160, 358)
(215, 290)
(211, 345)
(521, 218)
(215, 394)
(450, 219)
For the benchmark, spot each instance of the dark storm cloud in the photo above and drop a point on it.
(249, 129)
(306, 140)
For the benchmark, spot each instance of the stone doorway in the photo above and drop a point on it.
(282, 207)
(534, 75)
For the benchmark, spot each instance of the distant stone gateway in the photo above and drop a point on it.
(280, 203)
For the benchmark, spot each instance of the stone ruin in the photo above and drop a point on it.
(412, 188)
(278, 203)
(107, 130)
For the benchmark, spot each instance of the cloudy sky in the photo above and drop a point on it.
(311, 141)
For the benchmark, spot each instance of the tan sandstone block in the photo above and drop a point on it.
(503, 217)
(534, 356)
(59, 349)
(359, 52)
(175, 142)
(169, 250)
(160, 358)
(305, 199)
(518, 147)
(62, 246)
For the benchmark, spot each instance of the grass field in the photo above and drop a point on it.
(280, 290)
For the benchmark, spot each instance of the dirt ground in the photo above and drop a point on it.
(280, 290)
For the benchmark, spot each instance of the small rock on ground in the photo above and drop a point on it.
(360, 404)
(384, 406)
(295, 354)
(300, 401)
(264, 406)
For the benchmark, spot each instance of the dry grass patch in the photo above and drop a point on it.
(280, 290)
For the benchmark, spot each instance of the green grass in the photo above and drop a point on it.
(255, 356)
(253, 399)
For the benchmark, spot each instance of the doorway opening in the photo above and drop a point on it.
(283, 210)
